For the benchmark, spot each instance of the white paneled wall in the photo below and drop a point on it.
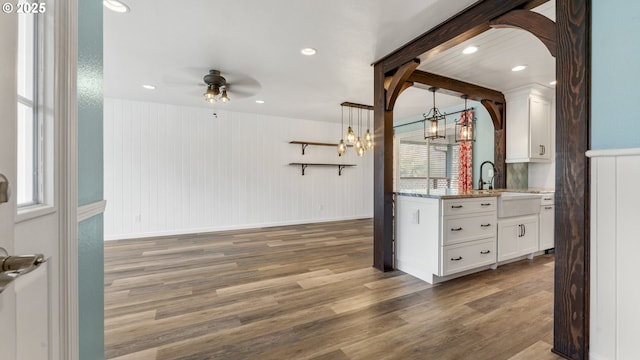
(615, 248)
(176, 169)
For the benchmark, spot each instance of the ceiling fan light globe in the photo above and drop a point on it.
(224, 97)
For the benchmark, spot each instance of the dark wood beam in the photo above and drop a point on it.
(455, 87)
(382, 175)
(398, 82)
(573, 197)
(539, 25)
(496, 111)
(463, 26)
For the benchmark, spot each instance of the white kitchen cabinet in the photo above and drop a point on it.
(547, 222)
(517, 236)
(528, 123)
(437, 238)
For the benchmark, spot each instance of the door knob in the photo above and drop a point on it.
(12, 267)
(5, 190)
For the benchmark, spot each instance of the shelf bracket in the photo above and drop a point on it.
(303, 166)
(340, 167)
(304, 146)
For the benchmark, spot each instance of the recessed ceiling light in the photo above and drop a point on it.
(469, 50)
(149, 87)
(259, 101)
(553, 82)
(308, 51)
(116, 5)
(519, 68)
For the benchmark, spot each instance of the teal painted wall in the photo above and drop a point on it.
(615, 71)
(484, 145)
(90, 180)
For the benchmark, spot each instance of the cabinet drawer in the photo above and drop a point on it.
(457, 229)
(547, 199)
(468, 206)
(466, 256)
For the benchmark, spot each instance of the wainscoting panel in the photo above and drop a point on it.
(176, 169)
(615, 289)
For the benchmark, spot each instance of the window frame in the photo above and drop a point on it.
(41, 200)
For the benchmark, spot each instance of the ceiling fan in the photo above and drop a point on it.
(221, 88)
(216, 87)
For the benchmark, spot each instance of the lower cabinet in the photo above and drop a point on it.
(547, 218)
(466, 256)
(517, 236)
(438, 239)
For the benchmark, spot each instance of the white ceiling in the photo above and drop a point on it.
(256, 45)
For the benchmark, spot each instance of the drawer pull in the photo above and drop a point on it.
(485, 225)
(548, 199)
(548, 207)
(485, 252)
(456, 259)
(485, 204)
(456, 206)
(457, 229)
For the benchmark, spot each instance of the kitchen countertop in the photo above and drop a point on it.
(454, 194)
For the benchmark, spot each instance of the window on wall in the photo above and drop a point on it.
(425, 165)
(29, 136)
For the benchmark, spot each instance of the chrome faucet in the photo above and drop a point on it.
(481, 183)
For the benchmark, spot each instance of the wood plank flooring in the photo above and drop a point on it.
(309, 292)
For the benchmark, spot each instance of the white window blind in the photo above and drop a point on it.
(427, 165)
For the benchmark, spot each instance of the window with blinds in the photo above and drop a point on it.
(424, 165)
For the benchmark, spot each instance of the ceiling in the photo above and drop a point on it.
(256, 45)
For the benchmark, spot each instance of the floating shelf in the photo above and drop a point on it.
(304, 144)
(303, 166)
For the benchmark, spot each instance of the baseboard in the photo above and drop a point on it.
(109, 237)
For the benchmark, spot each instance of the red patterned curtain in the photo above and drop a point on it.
(465, 165)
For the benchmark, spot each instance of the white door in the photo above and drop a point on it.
(29, 305)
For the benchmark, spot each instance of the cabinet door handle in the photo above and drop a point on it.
(485, 252)
(548, 199)
(524, 229)
(485, 204)
(485, 225)
(548, 207)
(519, 230)
(543, 149)
(456, 229)
(456, 206)
(456, 259)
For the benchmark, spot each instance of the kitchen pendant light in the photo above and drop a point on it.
(359, 145)
(465, 125)
(435, 121)
(342, 147)
(368, 137)
(351, 136)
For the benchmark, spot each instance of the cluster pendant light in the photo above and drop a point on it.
(360, 144)
(435, 121)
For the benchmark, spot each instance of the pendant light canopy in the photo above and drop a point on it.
(435, 124)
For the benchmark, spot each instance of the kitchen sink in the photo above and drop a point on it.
(512, 204)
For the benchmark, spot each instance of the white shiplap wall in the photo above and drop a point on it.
(615, 290)
(176, 169)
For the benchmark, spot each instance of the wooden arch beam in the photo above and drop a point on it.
(398, 82)
(537, 24)
(496, 111)
(456, 87)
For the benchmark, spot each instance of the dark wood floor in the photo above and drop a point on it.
(309, 292)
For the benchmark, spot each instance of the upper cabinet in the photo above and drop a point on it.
(529, 124)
